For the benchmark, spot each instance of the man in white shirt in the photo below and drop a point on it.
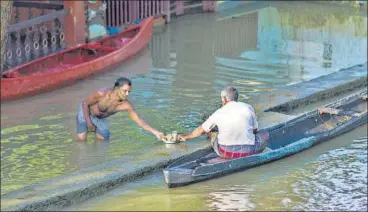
(237, 125)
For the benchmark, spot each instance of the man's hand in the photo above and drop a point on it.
(91, 127)
(182, 138)
(194, 134)
(159, 135)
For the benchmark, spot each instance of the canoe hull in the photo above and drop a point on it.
(191, 169)
(176, 177)
(23, 86)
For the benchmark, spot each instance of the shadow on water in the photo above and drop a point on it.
(176, 80)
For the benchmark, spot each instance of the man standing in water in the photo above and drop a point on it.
(237, 128)
(94, 110)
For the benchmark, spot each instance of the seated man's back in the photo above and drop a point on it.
(236, 122)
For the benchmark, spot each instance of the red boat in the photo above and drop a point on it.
(66, 67)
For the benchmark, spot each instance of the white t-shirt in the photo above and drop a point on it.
(235, 121)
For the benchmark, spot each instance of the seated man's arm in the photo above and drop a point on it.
(140, 122)
(206, 127)
(194, 134)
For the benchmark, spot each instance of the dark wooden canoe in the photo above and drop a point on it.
(66, 67)
(286, 139)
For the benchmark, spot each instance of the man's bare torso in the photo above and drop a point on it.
(105, 107)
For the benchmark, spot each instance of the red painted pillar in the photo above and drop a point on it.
(74, 23)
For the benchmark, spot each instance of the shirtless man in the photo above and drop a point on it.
(94, 110)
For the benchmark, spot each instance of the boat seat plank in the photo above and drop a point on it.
(101, 48)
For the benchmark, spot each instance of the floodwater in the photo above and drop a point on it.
(177, 79)
(331, 176)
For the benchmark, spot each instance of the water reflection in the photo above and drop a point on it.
(179, 78)
(235, 198)
(304, 45)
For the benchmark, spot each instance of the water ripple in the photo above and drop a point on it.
(338, 182)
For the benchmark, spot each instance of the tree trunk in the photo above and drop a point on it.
(6, 14)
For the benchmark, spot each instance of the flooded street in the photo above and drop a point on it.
(175, 81)
(331, 176)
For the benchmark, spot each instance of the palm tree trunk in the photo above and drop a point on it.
(6, 12)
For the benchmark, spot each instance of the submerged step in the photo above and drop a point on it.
(291, 97)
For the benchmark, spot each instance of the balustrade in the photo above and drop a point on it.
(38, 28)
(36, 37)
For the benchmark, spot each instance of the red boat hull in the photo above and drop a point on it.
(50, 73)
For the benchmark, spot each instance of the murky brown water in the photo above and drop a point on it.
(177, 79)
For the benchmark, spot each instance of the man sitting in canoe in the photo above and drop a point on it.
(237, 128)
(94, 110)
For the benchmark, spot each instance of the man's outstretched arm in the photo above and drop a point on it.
(194, 134)
(206, 127)
(140, 122)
